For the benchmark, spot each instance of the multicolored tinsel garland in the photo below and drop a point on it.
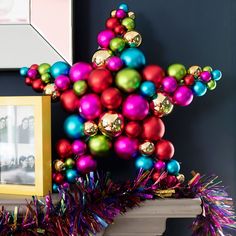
(91, 204)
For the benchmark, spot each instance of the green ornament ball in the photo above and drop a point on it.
(46, 78)
(128, 80)
(117, 44)
(99, 145)
(44, 68)
(80, 87)
(128, 23)
(207, 68)
(211, 85)
(177, 70)
(69, 163)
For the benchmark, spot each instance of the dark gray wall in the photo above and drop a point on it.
(191, 32)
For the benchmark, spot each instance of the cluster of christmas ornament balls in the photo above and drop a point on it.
(117, 102)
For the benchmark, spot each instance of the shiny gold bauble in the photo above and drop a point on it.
(147, 148)
(131, 15)
(100, 57)
(161, 105)
(133, 38)
(59, 165)
(181, 178)
(113, 13)
(49, 89)
(111, 124)
(195, 71)
(90, 128)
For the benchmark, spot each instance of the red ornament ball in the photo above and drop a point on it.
(156, 176)
(69, 101)
(154, 73)
(112, 22)
(119, 29)
(58, 178)
(38, 85)
(63, 148)
(189, 80)
(133, 129)
(153, 129)
(111, 98)
(99, 80)
(28, 81)
(164, 150)
(34, 67)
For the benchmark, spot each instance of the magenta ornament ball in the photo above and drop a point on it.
(160, 166)
(104, 38)
(62, 82)
(205, 76)
(80, 71)
(90, 106)
(126, 148)
(135, 107)
(79, 147)
(86, 164)
(32, 73)
(114, 63)
(183, 96)
(169, 84)
(120, 13)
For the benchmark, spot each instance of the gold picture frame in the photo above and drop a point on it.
(25, 155)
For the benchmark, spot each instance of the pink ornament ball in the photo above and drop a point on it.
(120, 14)
(135, 107)
(32, 73)
(62, 82)
(114, 63)
(104, 38)
(169, 84)
(86, 164)
(126, 148)
(90, 106)
(78, 147)
(80, 71)
(160, 166)
(205, 76)
(183, 96)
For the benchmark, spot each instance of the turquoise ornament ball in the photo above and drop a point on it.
(173, 167)
(71, 175)
(74, 126)
(24, 71)
(216, 75)
(199, 89)
(144, 162)
(55, 188)
(59, 68)
(133, 58)
(124, 7)
(148, 89)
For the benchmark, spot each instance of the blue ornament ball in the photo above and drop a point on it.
(173, 167)
(24, 71)
(59, 68)
(133, 58)
(55, 188)
(148, 89)
(74, 126)
(124, 7)
(199, 89)
(144, 162)
(71, 175)
(216, 75)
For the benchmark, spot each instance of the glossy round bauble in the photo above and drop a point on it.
(59, 68)
(111, 124)
(156, 176)
(111, 23)
(133, 58)
(63, 148)
(128, 23)
(216, 75)
(46, 78)
(55, 187)
(153, 129)
(62, 82)
(74, 127)
(154, 73)
(114, 63)
(119, 30)
(164, 150)
(71, 175)
(173, 167)
(58, 178)
(34, 67)
(80, 87)
(161, 105)
(38, 85)
(143, 162)
(126, 148)
(99, 80)
(133, 38)
(170, 181)
(86, 164)
(100, 57)
(180, 178)
(120, 14)
(124, 7)
(90, 128)
(113, 13)
(205, 76)
(32, 73)
(24, 71)
(69, 163)
(49, 89)
(28, 81)
(128, 80)
(69, 101)
(148, 89)
(80, 71)
(207, 68)
(183, 96)
(147, 148)
(195, 71)
(169, 84)
(117, 44)
(131, 15)
(211, 85)
(59, 165)
(111, 98)
(199, 89)
(189, 80)
(177, 70)
(78, 147)
(99, 145)
(135, 107)
(160, 166)
(44, 68)
(133, 129)
(104, 38)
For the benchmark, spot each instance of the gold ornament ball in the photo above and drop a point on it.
(161, 105)
(90, 128)
(147, 148)
(59, 165)
(207, 68)
(100, 57)
(181, 178)
(49, 89)
(69, 163)
(113, 13)
(133, 38)
(131, 15)
(195, 71)
(111, 124)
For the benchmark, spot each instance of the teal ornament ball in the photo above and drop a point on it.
(144, 162)
(216, 75)
(71, 175)
(124, 7)
(199, 89)
(173, 167)
(24, 71)
(74, 126)
(59, 68)
(133, 58)
(55, 188)
(148, 89)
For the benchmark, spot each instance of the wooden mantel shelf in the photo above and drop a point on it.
(147, 220)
